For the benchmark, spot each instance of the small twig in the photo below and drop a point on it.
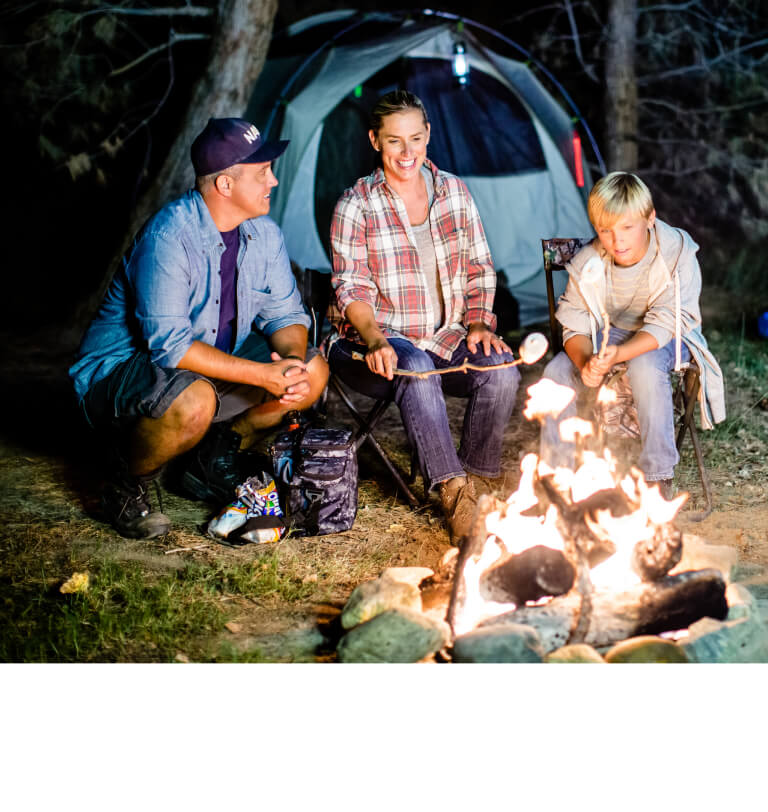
(173, 38)
(606, 330)
(412, 373)
(186, 549)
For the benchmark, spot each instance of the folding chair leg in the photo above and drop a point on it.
(703, 476)
(690, 385)
(366, 425)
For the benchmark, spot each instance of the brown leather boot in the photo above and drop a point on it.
(459, 501)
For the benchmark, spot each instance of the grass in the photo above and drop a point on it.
(736, 449)
(131, 614)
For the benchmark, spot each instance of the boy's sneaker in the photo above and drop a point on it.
(125, 504)
(214, 467)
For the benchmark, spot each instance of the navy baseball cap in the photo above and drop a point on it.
(228, 141)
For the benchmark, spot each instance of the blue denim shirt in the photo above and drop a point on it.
(167, 293)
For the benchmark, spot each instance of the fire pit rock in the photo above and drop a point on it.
(740, 638)
(394, 636)
(506, 643)
(395, 588)
(574, 653)
(646, 649)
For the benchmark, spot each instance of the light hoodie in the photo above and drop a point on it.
(672, 312)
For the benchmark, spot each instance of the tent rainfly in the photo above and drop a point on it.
(496, 127)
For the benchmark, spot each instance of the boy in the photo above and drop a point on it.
(650, 284)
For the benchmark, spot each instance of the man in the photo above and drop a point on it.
(201, 340)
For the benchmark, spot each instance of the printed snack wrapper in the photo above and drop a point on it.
(257, 496)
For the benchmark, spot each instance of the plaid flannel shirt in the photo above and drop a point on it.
(375, 260)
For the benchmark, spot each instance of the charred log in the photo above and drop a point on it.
(572, 524)
(535, 573)
(674, 602)
(654, 558)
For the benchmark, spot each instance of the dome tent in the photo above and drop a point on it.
(501, 132)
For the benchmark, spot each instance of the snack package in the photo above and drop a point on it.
(256, 497)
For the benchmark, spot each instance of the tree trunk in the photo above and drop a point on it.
(621, 86)
(239, 44)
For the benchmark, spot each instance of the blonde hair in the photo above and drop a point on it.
(616, 194)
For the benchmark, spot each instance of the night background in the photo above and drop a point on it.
(93, 100)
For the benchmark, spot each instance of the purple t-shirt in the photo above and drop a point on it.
(228, 302)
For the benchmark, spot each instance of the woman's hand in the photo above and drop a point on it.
(381, 358)
(479, 334)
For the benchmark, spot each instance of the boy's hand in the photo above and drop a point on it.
(592, 372)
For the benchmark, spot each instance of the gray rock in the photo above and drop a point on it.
(741, 603)
(574, 653)
(371, 598)
(742, 638)
(394, 636)
(505, 643)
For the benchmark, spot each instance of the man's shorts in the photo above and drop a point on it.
(138, 388)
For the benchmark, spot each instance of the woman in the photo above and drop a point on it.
(414, 287)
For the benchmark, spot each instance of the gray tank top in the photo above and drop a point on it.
(427, 256)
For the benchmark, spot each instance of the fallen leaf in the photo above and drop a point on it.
(397, 527)
(181, 657)
(78, 582)
(233, 627)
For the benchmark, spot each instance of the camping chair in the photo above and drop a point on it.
(557, 251)
(315, 287)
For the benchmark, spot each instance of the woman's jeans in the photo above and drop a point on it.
(421, 401)
(652, 393)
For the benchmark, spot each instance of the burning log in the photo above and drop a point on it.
(535, 573)
(671, 603)
(472, 544)
(658, 555)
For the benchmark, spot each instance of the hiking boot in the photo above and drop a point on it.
(667, 488)
(125, 504)
(215, 468)
(459, 502)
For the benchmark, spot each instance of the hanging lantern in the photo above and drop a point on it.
(460, 63)
(578, 170)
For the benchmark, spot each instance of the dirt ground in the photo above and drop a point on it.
(49, 483)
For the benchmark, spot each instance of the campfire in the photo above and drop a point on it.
(580, 554)
(588, 554)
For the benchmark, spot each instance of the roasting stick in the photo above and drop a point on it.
(533, 347)
(592, 286)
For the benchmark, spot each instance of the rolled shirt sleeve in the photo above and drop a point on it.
(162, 283)
(351, 277)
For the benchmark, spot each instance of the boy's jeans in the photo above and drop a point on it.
(652, 392)
(421, 401)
